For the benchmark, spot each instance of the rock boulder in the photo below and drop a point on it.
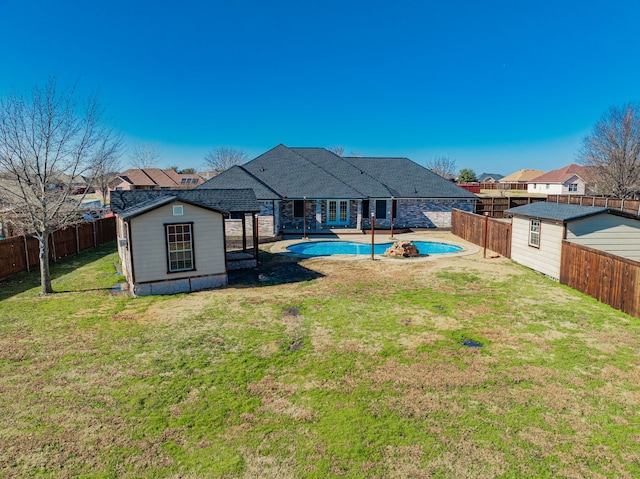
(406, 249)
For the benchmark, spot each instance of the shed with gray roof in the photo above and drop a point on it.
(176, 241)
(538, 230)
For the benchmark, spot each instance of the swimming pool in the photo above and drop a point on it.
(329, 248)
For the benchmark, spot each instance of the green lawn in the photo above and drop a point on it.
(326, 369)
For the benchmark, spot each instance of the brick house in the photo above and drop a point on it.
(313, 188)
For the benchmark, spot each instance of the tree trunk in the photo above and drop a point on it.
(45, 274)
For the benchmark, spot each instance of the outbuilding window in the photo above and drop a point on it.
(534, 233)
(180, 247)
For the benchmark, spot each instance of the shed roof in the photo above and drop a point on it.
(556, 211)
(130, 203)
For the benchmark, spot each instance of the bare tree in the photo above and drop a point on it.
(46, 141)
(144, 155)
(223, 158)
(105, 172)
(337, 149)
(443, 166)
(613, 150)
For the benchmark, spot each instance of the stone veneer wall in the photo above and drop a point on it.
(291, 223)
(234, 227)
(417, 213)
(411, 213)
(266, 223)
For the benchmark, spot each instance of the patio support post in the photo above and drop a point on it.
(373, 232)
(391, 237)
(244, 234)
(304, 217)
(254, 217)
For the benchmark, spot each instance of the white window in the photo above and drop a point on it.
(178, 210)
(180, 247)
(573, 187)
(534, 233)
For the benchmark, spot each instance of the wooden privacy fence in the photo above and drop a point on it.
(627, 205)
(21, 253)
(471, 227)
(610, 279)
(491, 185)
(496, 206)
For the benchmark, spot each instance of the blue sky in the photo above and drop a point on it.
(495, 85)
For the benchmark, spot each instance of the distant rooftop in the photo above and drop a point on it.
(521, 176)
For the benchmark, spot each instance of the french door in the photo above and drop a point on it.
(337, 212)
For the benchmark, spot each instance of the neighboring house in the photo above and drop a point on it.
(78, 184)
(173, 241)
(316, 189)
(570, 180)
(521, 176)
(152, 179)
(538, 230)
(489, 177)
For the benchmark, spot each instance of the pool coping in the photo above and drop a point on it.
(280, 247)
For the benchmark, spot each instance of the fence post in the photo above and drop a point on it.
(95, 239)
(77, 241)
(26, 253)
(486, 228)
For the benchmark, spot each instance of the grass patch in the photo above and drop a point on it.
(357, 370)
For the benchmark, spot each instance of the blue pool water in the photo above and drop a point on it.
(328, 248)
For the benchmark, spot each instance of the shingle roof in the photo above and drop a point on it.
(562, 174)
(134, 202)
(521, 175)
(555, 211)
(485, 176)
(137, 176)
(284, 172)
(148, 205)
(157, 177)
(292, 175)
(238, 177)
(407, 179)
